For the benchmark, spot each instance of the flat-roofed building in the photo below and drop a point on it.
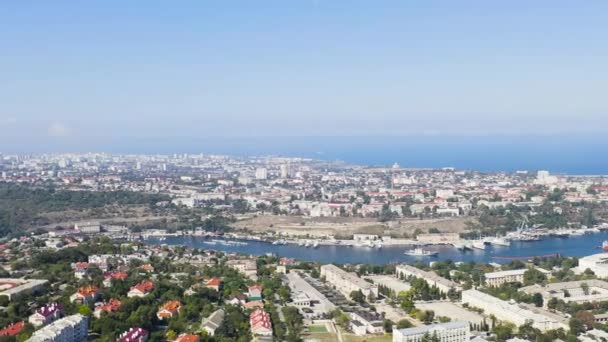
(246, 266)
(513, 312)
(14, 288)
(88, 228)
(368, 322)
(457, 331)
(598, 263)
(68, 329)
(494, 279)
(581, 291)
(347, 282)
(313, 299)
(444, 285)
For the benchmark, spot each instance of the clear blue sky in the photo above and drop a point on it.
(103, 71)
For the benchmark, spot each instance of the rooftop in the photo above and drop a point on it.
(435, 327)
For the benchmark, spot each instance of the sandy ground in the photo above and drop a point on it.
(395, 314)
(451, 310)
(323, 226)
(390, 282)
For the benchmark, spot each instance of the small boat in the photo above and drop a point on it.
(459, 246)
(561, 233)
(605, 246)
(316, 244)
(420, 252)
(479, 244)
(500, 241)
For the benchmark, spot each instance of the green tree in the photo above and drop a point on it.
(576, 325)
(357, 296)
(404, 324)
(504, 330)
(534, 276)
(585, 288)
(537, 299)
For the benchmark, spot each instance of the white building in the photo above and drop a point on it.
(444, 193)
(88, 228)
(13, 288)
(598, 263)
(285, 171)
(213, 322)
(494, 279)
(68, 329)
(366, 322)
(261, 173)
(365, 237)
(346, 282)
(443, 284)
(301, 300)
(246, 266)
(45, 315)
(544, 178)
(572, 291)
(513, 312)
(457, 331)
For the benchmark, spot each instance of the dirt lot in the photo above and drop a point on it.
(343, 226)
(445, 225)
(451, 310)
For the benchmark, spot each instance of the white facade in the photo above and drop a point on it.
(458, 331)
(368, 323)
(510, 276)
(581, 291)
(261, 173)
(88, 228)
(494, 279)
(346, 282)
(443, 284)
(247, 267)
(516, 313)
(213, 322)
(15, 287)
(598, 263)
(68, 329)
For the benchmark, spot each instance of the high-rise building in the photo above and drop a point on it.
(68, 329)
(285, 171)
(261, 173)
(544, 178)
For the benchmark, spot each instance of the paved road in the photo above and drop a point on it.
(337, 331)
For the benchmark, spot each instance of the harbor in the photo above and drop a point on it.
(350, 251)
